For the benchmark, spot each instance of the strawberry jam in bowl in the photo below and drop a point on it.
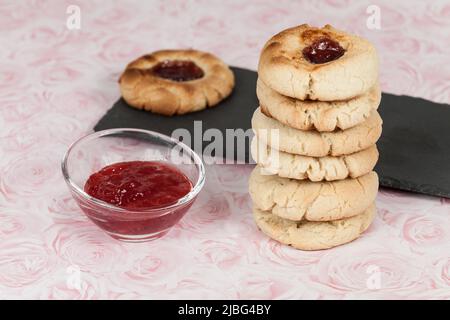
(134, 184)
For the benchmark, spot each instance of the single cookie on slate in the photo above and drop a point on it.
(171, 82)
(316, 144)
(324, 64)
(308, 235)
(299, 167)
(314, 201)
(319, 115)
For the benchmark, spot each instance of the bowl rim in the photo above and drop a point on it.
(163, 209)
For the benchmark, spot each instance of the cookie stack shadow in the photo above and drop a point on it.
(315, 138)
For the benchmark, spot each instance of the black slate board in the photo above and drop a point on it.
(414, 147)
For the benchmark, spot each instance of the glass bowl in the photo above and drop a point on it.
(97, 150)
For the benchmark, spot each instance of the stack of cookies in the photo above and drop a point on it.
(315, 132)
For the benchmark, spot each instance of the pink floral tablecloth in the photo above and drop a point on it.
(56, 83)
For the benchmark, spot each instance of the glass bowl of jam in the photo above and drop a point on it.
(134, 184)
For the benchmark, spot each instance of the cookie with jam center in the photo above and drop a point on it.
(173, 82)
(325, 64)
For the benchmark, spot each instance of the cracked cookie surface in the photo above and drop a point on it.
(144, 89)
(300, 167)
(283, 67)
(299, 200)
(313, 143)
(307, 235)
(318, 115)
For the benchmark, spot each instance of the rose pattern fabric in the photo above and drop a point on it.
(56, 83)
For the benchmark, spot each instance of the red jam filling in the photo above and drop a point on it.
(323, 50)
(138, 184)
(135, 186)
(178, 70)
